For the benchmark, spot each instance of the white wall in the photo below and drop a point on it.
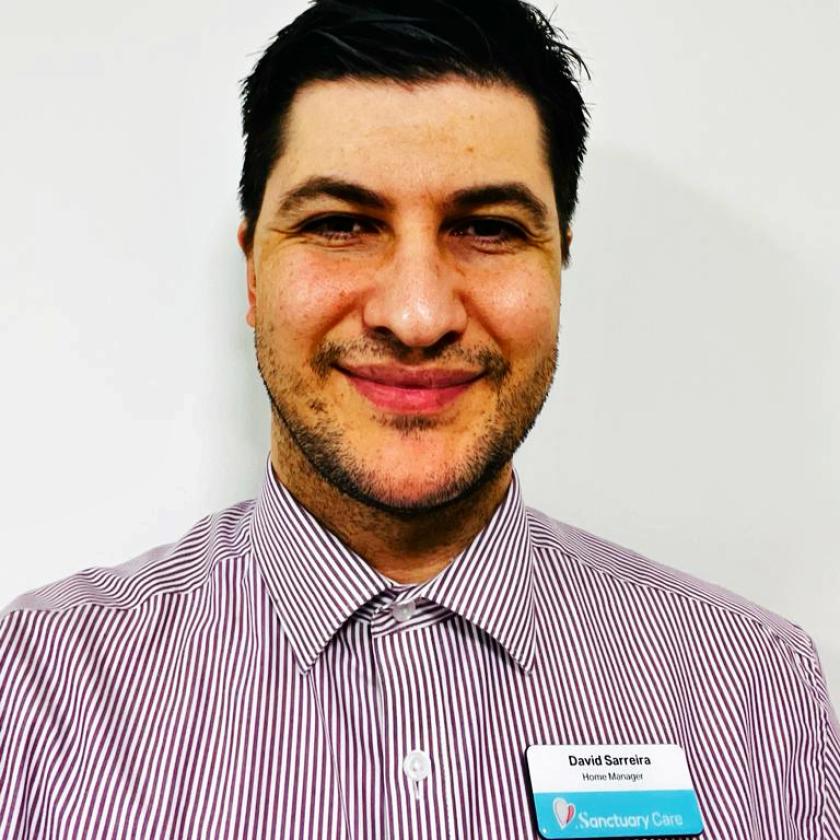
(696, 410)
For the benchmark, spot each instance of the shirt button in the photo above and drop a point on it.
(404, 611)
(416, 765)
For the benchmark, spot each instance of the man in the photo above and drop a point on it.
(370, 648)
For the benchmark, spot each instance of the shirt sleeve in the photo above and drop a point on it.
(10, 679)
(830, 756)
(24, 717)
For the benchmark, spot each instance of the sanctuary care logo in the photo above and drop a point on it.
(564, 812)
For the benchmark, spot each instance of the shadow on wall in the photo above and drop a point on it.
(691, 383)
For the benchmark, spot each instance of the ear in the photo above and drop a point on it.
(566, 244)
(251, 278)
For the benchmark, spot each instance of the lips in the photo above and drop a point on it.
(409, 390)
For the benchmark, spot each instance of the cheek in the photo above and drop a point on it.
(302, 299)
(521, 311)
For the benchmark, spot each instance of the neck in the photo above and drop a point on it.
(406, 549)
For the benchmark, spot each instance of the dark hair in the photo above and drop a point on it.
(506, 41)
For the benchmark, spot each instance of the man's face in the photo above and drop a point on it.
(404, 284)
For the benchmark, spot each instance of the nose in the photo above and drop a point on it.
(416, 297)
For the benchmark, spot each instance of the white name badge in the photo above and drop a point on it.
(635, 790)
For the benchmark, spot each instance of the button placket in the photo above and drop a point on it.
(408, 743)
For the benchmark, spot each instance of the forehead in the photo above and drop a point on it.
(397, 137)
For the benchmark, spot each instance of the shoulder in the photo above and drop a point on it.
(81, 653)
(668, 600)
(745, 669)
(64, 644)
(173, 568)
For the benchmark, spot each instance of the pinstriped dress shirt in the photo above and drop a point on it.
(257, 679)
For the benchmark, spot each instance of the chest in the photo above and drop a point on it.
(419, 733)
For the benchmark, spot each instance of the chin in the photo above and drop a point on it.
(398, 490)
(413, 494)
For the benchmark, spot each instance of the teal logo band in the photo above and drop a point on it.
(648, 813)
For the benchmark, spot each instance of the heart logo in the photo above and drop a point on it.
(564, 812)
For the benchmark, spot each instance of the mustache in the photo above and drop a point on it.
(446, 352)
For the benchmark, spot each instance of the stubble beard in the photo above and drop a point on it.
(321, 442)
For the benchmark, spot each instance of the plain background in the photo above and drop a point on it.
(696, 408)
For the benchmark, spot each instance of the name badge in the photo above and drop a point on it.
(602, 791)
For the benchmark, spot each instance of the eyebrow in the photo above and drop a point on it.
(512, 192)
(470, 198)
(319, 186)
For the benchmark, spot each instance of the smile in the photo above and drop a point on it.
(410, 390)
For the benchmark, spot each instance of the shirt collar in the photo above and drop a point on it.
(316, 582)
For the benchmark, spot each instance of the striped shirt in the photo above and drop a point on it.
(257, 679)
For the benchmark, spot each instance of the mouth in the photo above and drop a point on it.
(409, 390)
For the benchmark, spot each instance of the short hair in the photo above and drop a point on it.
(415, 41)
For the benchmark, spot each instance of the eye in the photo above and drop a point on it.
(489, 230)
(338, 228)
